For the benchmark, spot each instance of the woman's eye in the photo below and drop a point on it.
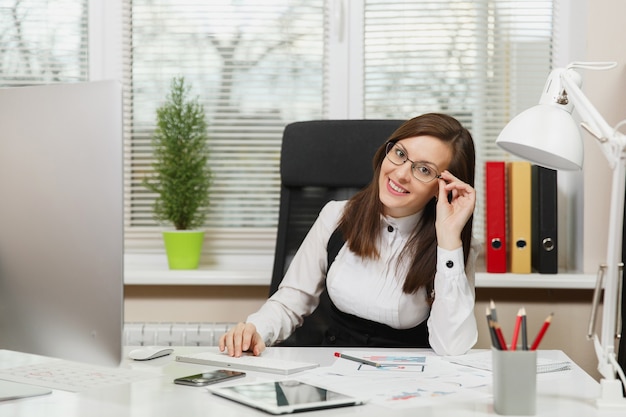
(424, 169)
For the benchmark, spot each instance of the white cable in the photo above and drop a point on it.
(617, 126)
(602, 65)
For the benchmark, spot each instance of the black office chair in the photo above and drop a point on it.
(320, 161)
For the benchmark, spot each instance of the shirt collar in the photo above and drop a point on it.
(403, 224)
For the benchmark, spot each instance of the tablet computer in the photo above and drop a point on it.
(284, 397)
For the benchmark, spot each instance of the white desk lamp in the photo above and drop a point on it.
(547, 135)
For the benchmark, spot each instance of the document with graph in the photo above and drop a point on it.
(400, 378)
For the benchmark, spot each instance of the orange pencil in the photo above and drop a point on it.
(546, 323)
(518, 323)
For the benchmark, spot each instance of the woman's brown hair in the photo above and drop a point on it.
(360, 223)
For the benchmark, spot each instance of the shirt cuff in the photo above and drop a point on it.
(450, 262)
(263, 328)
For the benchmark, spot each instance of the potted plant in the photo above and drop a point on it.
(181, 177)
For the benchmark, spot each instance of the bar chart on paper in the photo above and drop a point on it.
(402, 379)
(386, 362)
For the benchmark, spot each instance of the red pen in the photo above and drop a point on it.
(518, 323)
(546, 323)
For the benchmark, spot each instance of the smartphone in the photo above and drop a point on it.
(210, 377)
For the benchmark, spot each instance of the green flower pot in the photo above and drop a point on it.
(183, 248)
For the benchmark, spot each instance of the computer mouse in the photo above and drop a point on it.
(145, 353)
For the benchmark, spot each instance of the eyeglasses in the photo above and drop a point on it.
(422, 171)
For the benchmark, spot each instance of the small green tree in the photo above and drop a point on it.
(182, 177)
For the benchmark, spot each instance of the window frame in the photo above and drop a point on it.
(106, 24)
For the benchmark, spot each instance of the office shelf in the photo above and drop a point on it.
(151, 272)
(151, 269)
(560, 280)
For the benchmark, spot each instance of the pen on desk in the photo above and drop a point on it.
(518, 323)
(546, 323)
(524, 331)
(359, 360)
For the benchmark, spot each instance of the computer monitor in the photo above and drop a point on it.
(61, 221)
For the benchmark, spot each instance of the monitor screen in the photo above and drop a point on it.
(61, 221)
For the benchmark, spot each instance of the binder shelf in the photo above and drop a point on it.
(153, 270)
(258, 278)
(560, 280)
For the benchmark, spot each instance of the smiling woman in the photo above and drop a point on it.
(405, 275)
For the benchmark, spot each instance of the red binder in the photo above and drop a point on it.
(495, 221)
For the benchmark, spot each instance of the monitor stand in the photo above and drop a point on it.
(14, 390)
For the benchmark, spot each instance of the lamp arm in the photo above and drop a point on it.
(613, 143)
(611, 282)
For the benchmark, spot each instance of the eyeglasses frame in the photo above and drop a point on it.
(391, 145)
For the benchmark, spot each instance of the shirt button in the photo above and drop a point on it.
(449, 264)
(390, 229)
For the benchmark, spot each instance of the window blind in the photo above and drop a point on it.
(255, 66)
(43, 41)
(482, 61)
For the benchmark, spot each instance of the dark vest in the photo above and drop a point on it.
(349, 330)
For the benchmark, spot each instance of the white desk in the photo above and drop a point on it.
(566, 394)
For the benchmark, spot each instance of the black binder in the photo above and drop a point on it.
(545, 258)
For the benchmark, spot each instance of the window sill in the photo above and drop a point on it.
(196, 277)
(153, 270)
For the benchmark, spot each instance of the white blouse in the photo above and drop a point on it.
(372, 289)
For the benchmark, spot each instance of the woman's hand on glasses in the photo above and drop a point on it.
(455, 204)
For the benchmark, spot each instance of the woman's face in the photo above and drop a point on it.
(399, 191)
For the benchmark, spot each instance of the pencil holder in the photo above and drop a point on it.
(514, 381)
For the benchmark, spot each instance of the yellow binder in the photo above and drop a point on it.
(520, 225)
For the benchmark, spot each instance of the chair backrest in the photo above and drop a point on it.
(321, 160)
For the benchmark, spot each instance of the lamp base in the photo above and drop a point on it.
(611, 396)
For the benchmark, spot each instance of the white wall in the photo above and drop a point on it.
(605, 42)
(603, 23)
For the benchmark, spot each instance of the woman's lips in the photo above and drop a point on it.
(396, 188)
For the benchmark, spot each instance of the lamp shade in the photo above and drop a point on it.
(546, 135)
